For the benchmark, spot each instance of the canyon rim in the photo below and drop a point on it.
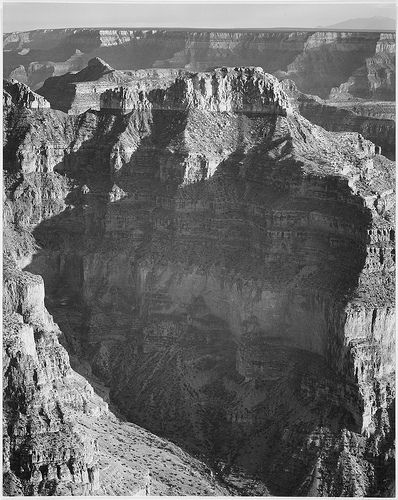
(199, 262)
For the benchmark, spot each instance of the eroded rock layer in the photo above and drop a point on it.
(361, 64)
(373, 120)
(59, 437)
(228, 269)
(101, 87)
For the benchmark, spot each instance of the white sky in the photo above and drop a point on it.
(20, 16)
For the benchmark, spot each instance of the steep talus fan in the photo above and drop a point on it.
(224, 265)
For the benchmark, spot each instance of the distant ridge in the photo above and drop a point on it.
(348, 25)
(366, 23)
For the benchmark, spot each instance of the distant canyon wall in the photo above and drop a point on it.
(358, 64)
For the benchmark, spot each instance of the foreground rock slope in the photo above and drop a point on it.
(225, 266)
(59, 437)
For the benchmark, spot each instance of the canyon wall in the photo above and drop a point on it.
(43, 451)
(226, 267)
(59, 437)
(359, 64)
(101, 87)
(373, 122)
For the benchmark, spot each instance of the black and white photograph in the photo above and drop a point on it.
(198, 239)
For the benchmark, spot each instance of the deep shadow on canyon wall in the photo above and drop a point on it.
(154, 288)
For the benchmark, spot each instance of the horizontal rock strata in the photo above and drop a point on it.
(318, 61)
(228, 269)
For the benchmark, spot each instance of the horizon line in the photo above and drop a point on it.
(170, 28)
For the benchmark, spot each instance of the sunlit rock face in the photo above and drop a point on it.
(44, 452)
(21, 95)
(364, 65)
(227, 267)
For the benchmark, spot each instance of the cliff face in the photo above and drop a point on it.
(376, 78)
(100, 87)
(227, 268)
(43, 452)
(59, 438)
(317, 61)
(20, 95)
(339, 117)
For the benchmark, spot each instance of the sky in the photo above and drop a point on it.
(23, 16)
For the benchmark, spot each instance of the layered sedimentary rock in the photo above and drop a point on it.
(43, 453)
(59, 438)
(379, 128)
(76, 93)
(20, 95)
(100, 87)
(328, 56)
(376, 78)
(227, 268)
(317, 61)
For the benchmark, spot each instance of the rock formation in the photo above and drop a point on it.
(20, 95)
(43, 453)
(376, 78)
(317, 61)
(59, 437)
(76, 93)
(226, 267)
(366, 60)
(100, 87)
(379, 127)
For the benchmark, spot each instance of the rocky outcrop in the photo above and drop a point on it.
(20, 95)
(43, 453)
(242, 90)
(59, 437)
(56, 437)
(316, 61)
(227, 267)
(76, 93)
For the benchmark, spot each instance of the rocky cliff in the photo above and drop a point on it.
(43, 452)
(376, 78)
(101, 87)
(319, 62)
(227, 268)
(59, 437)
(20, 95)
(372, 121)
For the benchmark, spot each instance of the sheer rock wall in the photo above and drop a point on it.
(220, 250)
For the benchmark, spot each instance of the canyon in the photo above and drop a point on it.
(324, 63)
(353, 73)
(218, 271)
